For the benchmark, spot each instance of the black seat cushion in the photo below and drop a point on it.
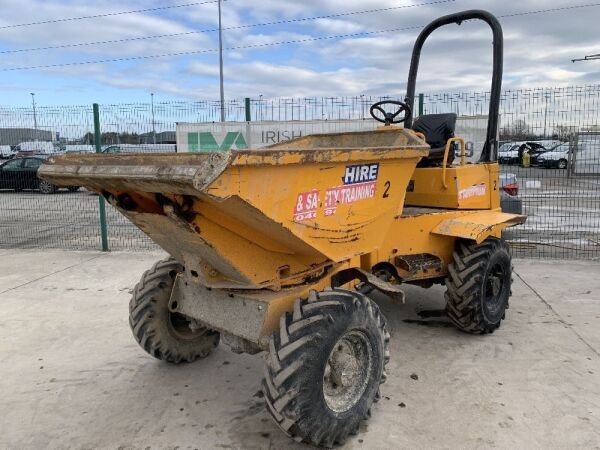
(438, 129)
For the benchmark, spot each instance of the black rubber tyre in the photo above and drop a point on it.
(162, 334)
(479, 285)
(562, 164)
(298, 387)
(46, 188)
(73, 188)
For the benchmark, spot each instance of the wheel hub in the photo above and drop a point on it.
(347, 371)
(343, 367)
(494, 285)
(185, 328)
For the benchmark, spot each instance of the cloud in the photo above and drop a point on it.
(538, 48)
(337, 26)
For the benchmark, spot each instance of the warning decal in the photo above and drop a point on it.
(343, 195)
(306, 206)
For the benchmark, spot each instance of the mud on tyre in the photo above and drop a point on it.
(325, 365)
(165, 335)
(479, 285)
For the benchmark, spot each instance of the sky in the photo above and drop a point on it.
(261, 60)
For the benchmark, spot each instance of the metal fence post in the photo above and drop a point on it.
(421, 102)
(101, 201)
(247, 105)
(572, 156)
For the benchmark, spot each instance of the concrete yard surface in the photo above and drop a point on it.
(71, 375)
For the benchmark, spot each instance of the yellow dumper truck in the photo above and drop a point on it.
(275, 250)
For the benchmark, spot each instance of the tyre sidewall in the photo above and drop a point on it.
(166, 343)
(499, 256)
(187, 347)
(315, 368)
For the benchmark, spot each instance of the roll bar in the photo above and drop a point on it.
(490, 149)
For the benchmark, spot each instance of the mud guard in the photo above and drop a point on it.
(479, 225)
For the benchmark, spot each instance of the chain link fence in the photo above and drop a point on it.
(549, 155)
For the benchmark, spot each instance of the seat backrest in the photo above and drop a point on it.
(437, 128)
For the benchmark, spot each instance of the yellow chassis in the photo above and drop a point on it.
(258, 229)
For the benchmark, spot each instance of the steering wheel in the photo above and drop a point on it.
(388, 118)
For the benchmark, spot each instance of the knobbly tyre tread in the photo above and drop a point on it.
(149, 316)
(464, 285)
(288, 383)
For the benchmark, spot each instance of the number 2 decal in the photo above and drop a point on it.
(387, 189)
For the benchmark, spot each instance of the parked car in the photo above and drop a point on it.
(33, 148)
(6, 152)
(558, 157)
(508, 154)
(112, 149)
(509, 194)
(513, 154)
(141, 148)
(535, 153)
(79, 148)
(21, 173)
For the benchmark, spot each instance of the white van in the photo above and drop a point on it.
(39, 147)
(79, 148)
(6, 152)
(587, 159)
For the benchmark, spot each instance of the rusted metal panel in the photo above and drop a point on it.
(249, 314)
(240, 221)
(166, 173)
(420, 265)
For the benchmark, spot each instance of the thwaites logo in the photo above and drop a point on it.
(477, 190)
(362, 173)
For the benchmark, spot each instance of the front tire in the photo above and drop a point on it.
(325, 365)
(165, 335)
(562, 164)
(46, 188)
(479, 285)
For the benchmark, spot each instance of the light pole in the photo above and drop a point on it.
(34, 113)
(362, 105)
(153, 123)
(545, 112)
(221, 66)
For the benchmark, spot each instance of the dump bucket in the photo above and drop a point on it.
(258, 218)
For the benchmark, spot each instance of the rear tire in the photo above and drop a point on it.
(165, 335)
(325, 365)
(479, 285)
(562, 164)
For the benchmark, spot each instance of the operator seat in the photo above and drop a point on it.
(438, 129)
